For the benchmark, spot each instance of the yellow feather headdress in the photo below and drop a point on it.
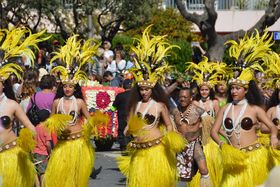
(272, 73)
(249, 54)
(74, 55)
(208, 73)
(150, 63)
(14, 43)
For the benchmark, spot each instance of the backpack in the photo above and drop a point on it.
(33, 112)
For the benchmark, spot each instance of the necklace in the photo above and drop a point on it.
(278, 111)
(73, 107)
(236, 129)
(3, 100)
(184, 115)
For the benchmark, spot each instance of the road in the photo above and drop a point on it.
(110, 175)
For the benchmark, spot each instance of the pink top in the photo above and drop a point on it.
(44, 100)
(41, 140)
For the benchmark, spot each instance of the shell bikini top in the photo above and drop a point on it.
(230, 124)
(211, 112)
(276, 119)
(151, 120)
(73, 111)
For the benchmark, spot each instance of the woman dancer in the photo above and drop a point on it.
(16, 168)
(72, 159)
(152, 153)
(245, 160)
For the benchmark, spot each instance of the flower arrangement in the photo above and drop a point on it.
(101, 98)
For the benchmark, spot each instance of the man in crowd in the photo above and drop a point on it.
(120, 104)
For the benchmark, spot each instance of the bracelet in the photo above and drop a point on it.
(273, 136)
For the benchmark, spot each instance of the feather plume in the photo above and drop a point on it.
(57, 123)
(209, 73)
(151, 52)
(250, 53)
(75, 55)
(135, 124)
(26, 140)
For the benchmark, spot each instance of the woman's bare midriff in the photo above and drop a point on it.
(148, 135)
(246, 138)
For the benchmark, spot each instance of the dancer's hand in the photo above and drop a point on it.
(274, 142)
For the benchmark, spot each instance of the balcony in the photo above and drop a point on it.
(223, 4)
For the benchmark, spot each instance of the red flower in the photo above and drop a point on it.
(102, 100)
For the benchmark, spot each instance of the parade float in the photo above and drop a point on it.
(101, 98)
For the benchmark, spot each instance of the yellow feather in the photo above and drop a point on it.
(26, 140)
(57, 123)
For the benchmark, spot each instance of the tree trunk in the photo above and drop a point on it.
(206, 23)
(217, 49)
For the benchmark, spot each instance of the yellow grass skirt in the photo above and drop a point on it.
(244, 168)
(154, 166)
(70, 164)
(16, 168)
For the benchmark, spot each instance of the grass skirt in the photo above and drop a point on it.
(16, 168)
(70, 164)
(244, 168)
(213, 161)
(154, 166)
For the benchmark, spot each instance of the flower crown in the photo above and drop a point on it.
(74, 55)
(16, 42)
(249, 54)
(150, 61)
(208, 73)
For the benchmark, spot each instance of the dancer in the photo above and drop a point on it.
(151, 160)
(16, 168)
(206, 75)
(244, 159)
(188, 121)
(72, 159)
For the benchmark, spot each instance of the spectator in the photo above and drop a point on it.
(120, 63)
(44, 98)
(111, 80)
(42, 149)
(198, 52)
(120, 104)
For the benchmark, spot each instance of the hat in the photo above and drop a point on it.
(42, 72)
(127, 83)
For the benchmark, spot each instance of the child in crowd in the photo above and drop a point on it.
(43, 147)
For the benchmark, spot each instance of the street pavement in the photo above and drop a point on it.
(110, 176)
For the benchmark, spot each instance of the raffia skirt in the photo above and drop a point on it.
(244, 168)
(70, 164)
(153, 166)
(16, 168)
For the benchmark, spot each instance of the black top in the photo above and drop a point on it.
(121, 103)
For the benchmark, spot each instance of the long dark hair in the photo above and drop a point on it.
(8, 89)
(158, 95)
(77, 92)
(274, 100)
(198, 96)
(253, 94)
